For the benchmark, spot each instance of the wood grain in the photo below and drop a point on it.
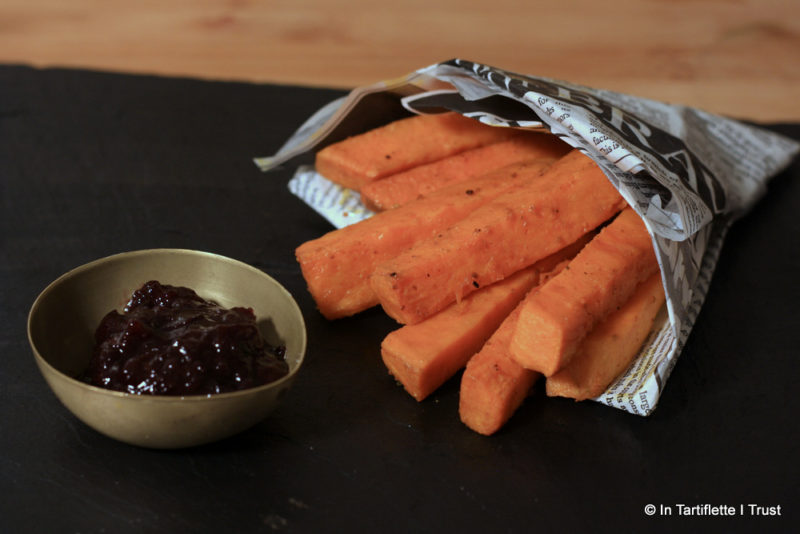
(735, 57)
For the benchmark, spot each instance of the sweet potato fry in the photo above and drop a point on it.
(337, 265)
(420, 181)
(610, 346)
(494, 385)
(423, 356)
(513, 231)
(603, 276)
(401, 145)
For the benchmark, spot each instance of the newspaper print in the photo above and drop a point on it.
(687, 173)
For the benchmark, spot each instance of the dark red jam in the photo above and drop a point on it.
(170, 341)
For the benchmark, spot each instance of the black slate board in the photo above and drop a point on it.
(93, 164)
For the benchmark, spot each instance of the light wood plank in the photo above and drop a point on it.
(735, 57)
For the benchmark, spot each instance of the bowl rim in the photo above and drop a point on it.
(166, 398)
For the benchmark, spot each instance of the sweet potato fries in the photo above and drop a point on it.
(503, 253)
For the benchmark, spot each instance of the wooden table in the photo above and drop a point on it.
(737, 58)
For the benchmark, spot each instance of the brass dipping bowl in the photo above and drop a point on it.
(63, 319)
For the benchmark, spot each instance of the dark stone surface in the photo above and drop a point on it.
(93, 164)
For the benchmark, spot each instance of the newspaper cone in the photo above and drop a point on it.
(688, 174)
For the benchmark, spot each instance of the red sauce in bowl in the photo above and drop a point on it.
(170, 341)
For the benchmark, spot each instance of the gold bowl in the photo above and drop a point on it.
(63, 318)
